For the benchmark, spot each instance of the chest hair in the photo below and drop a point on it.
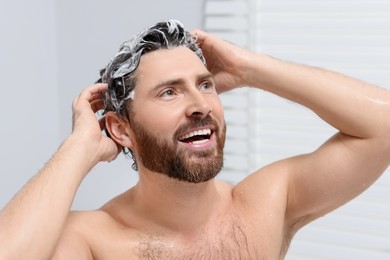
(228, 242)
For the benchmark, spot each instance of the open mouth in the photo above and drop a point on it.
(196, 137)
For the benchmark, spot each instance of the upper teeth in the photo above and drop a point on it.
(197, 132)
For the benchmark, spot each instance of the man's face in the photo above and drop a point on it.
(176, 117)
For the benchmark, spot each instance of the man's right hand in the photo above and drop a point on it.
(87, 129)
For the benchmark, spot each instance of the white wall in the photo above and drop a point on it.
(50, 51)
(29, 91)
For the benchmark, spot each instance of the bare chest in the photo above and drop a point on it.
(231, 239)
(231, 242)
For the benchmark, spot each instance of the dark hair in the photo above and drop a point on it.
(119, 73)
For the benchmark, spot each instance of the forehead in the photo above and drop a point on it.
(166, 64)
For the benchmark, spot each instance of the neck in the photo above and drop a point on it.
(175, 205)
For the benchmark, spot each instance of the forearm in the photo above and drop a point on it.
(33, 220)
(354, 107)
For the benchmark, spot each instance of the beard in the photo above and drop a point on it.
(164, 156)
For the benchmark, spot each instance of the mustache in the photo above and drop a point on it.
(195, 123)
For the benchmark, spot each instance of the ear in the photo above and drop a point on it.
(119, 130)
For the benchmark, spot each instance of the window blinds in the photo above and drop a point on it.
(229, 20)
(349, 36)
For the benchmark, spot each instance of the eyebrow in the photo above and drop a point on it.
(180, 81)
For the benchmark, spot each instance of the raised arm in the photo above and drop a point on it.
(32, 222)
(345, 165)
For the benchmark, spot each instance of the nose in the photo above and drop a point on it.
(197, 105)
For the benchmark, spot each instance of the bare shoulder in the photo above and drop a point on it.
(75, 242)
(264, 193)
(84, 221)
(265, 188)
(90, 234)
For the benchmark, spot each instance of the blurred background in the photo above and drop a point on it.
(51, 49)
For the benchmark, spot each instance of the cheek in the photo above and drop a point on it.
(157, 118)
(218, 110)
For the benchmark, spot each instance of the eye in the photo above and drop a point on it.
(167, 93)
(206, 86)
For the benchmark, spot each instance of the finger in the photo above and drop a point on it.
(102, 123)
(93, 91)
(98, 95)
(99, 87)
(74, 102)
(97, 105)
(200, 36)
(90, 94)
(95, 96)
(198, 33)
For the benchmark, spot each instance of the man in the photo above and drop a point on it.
(162, 106)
